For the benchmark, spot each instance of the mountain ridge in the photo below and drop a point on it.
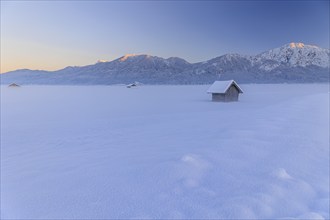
(293, 62)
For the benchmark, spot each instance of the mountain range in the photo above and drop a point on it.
(291, 63)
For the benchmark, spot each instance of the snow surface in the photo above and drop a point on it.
(92, 152)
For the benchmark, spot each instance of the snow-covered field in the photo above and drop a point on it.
(164, 152)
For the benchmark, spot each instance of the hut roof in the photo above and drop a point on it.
(13, 85)
(223, 86)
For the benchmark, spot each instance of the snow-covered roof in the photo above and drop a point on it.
(14, 85)
(223, 86)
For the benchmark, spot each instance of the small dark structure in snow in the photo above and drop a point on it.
(133, 84)
(225, 91)
(13, 85)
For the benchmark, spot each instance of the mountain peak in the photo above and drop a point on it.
(299, 45)
(127, 56)
(296, 45)
(102, 61)
(294, 55)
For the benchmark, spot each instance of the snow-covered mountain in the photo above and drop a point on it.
(294, 62)
(293, 55)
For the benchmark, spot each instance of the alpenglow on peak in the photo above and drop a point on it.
(102, 61)
(298, 45)
(127, 56)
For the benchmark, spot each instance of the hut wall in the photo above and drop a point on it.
(218, 97)
(231, 94)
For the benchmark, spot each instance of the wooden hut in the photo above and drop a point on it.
(225, 91)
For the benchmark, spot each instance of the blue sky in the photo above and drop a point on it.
(51, 35)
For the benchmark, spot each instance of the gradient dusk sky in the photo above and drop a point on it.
(51, 35)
